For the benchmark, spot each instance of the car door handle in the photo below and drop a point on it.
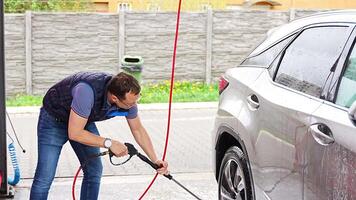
(252, 100)
(322, 134)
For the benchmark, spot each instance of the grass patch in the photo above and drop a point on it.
(24, 100)
(184, 91)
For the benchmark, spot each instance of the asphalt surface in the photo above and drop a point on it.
(189, 154)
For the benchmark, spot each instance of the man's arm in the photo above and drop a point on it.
(76, 132)
(143, 139)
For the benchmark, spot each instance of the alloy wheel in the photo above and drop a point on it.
(232, 183)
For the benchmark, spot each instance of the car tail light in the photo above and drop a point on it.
(223, 83)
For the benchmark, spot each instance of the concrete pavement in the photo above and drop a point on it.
(189, 154)
(131, 187)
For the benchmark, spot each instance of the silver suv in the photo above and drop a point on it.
(285, 127)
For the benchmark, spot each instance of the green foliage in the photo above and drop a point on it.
(151, 93)
(16, 6)
(20, 6)
(24, 100)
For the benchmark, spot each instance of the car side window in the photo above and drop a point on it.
(307, 62)
(266, 57)
(347, 90)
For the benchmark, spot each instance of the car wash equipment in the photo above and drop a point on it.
(133, 152)
(15, 165)
(12, 151)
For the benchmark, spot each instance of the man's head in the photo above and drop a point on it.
(124, 90)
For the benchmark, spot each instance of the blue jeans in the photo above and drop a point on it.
(52, 134)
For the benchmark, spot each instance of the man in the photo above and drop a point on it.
(69, 112)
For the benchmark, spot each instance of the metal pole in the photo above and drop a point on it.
(186, 189)
(3, 146)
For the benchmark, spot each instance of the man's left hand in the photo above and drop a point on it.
(163, 165)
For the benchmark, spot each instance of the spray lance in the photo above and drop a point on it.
(132, 151)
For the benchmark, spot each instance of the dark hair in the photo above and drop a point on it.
(123, 83)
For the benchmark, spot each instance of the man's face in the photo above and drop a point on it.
(130, 100)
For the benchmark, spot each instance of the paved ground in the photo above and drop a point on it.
(189, 154)
(132, 186)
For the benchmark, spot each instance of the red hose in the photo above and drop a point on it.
(75, 179)
(170, 96)
(169, 108)
(0, 178)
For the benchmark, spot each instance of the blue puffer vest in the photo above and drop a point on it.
(58, 99)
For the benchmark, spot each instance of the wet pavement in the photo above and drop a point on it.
(189, 154)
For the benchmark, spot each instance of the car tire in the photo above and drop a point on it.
(234, 179)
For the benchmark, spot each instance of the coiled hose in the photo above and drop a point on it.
(15, 165)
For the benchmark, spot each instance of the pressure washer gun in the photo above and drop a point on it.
(132, 151)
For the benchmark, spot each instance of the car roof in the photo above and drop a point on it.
(275, 34)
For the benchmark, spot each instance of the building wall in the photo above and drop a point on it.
(195, 5)
(60, 44)
(315, 4)
(163, 5)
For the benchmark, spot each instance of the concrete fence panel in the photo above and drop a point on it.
(66, 43)
(15, 76)
(42, 48)
(151, 35)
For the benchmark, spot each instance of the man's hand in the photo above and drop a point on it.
(118, 149)
(164, 167)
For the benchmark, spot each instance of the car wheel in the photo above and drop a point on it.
(234, 179)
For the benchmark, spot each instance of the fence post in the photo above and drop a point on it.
(28, 39)
(209, 33)
(291, 14)
(121, 36)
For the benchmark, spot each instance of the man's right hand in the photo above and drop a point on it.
(118, 149)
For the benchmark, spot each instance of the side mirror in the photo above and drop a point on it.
(352, 112)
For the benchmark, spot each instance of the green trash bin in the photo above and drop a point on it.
(133, 65)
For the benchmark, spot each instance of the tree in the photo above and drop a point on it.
(20, 6)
